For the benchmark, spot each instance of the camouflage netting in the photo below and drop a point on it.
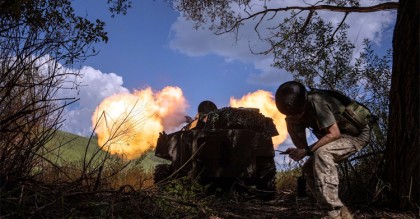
(241, 118)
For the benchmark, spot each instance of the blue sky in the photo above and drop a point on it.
(139, 50)
(154, 46)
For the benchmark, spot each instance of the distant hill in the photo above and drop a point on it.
(71, 147)
(67, 147)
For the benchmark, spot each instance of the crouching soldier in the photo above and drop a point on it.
(341, 128)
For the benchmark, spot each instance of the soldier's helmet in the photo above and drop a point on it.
(206, 107)
(291, 98)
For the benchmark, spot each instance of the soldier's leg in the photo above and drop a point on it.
(325, 161)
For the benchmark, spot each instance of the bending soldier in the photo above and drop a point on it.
(338, 138)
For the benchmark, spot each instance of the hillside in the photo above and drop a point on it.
(66, 147)
(71, 147)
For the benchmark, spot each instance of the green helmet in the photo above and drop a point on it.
(291, 98)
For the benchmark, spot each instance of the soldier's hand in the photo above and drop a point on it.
(296, 154)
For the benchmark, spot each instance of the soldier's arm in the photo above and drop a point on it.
(326, 121)
(297, 134)
(333, 133)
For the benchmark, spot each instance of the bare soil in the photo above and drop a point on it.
(292, 207)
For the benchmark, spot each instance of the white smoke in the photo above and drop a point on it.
(92, 87)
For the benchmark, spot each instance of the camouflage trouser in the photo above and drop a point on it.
(320, 169)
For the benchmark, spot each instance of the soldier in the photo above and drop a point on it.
(200, 119)
(338, 138)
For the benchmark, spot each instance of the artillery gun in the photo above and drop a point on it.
(222, 147)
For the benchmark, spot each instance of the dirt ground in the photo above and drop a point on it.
(290, 207)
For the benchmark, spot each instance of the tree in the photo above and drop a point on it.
(403, 152)
(313, 50)
(35, 37)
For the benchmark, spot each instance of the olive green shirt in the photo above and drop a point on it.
(321, 112)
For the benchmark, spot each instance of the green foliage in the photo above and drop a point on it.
(183, 197)
(375, 75)
(185, 189)
(217, 14)
(35, 37)
(119, 6)
(316, 53)
(49, 28)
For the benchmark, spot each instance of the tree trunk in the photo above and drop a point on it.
(402, 157)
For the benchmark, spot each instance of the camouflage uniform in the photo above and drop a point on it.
(320, 169)
(321, 172)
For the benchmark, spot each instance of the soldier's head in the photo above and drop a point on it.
(291, 98)
(206, 107)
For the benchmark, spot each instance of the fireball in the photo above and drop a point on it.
(264, 101)
(128, 124)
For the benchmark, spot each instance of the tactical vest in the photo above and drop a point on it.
(355, 113)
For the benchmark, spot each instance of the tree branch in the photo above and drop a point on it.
(374, 8)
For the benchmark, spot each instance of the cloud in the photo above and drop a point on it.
(267, 75)
(199, 42)
(93, 87)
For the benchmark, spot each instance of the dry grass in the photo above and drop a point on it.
(286, 180)
(111, 187)
(128, 194)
